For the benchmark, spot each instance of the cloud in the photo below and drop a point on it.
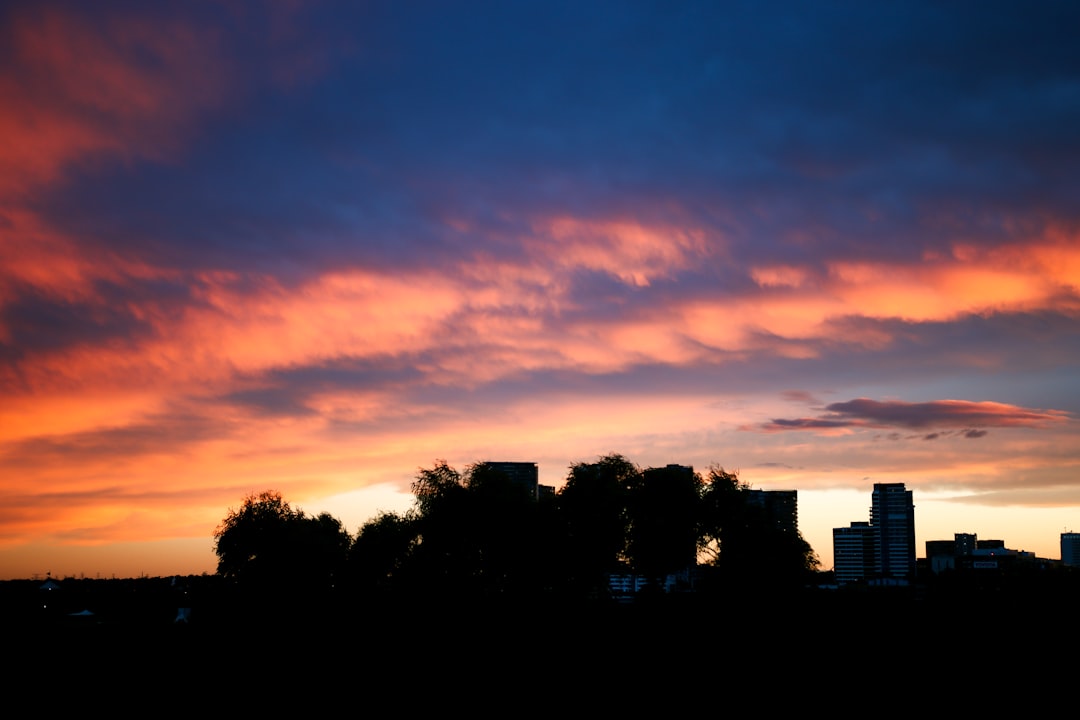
(799, 396)
(79, 85)
(942, 413)
(807, 424)
(867, 413)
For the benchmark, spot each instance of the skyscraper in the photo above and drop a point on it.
(882, 549)
(892, 517)
(1070, 549)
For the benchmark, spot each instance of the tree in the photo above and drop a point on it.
(721, 506)
(476, 531)
(593, 514)
(267, 544)
(505, 523)
(382, 550)
(664, 510)
(323, 543)
(744, 542)
(440, 485)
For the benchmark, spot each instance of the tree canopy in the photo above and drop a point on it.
(478, 532)
(592, 508)
(740, 536)
(267, 543)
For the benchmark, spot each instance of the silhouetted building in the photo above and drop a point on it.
(853, 552)
(892, 517)
(780, 506)
(966, 552)
(940, 547)
(882, 550)
(945, 554)
(1070, 549)
(625, 587)
(965, 543)
(995, 555)
(523, 474)
(941, 555)
(686, 471)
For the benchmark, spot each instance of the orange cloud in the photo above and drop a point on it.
(780, 276)
(635, 253)
(249, 325)
(1038, 274)
(1019, 277)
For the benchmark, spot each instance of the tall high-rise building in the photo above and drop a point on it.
(892, 517)
(1070, 549)
(884, 548)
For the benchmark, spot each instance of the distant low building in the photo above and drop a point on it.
(625, 587)
(780, 506)
(853, 553)
(967, 552)
(525, 475)
(941, 555)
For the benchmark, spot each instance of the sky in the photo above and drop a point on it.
(313, 247)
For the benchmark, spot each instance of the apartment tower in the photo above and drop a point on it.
(892, 517)
(1070, 549)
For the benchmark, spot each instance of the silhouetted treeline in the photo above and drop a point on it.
(474, 534)
(475, 544)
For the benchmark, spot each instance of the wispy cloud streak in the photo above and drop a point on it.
(864, 412)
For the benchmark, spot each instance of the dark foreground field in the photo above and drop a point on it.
(806, 647)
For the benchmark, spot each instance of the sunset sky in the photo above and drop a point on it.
(315, 246)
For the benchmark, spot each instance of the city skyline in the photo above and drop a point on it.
(529, 473)
(313, 247)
